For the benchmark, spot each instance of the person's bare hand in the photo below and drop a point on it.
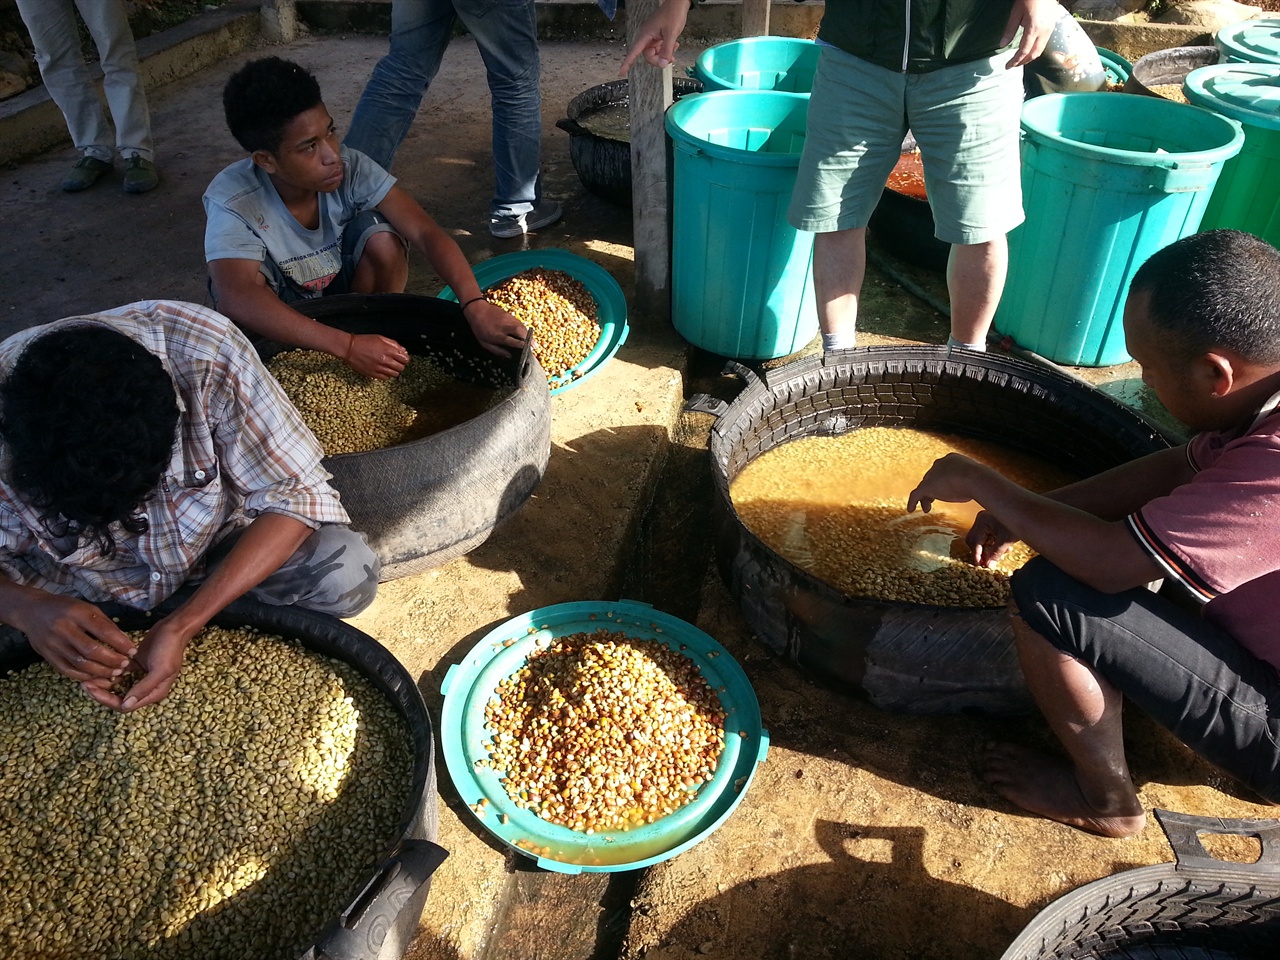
(950, 479)
(1037, 19)
(498, 331)
(988, 539)
(159, 659)
(656, 40)
(74, 637)
(377, 357)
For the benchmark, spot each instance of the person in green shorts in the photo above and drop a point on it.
(946, 70)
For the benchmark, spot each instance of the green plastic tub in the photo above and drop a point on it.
(1117, 67)
(758, 63)
(1252, 41)
(1247, 195)
(1106, 181)
(741, 275)
(469, 685)
(611, 303)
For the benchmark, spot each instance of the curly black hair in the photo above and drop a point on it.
(89, 416)
(263, 96)
(1220, 288)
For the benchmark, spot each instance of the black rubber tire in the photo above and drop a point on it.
(1197, 908)
(423, 503)
(603, 164)
(909, 657)
(1167, 66)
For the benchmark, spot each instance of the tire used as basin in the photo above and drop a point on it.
(383, 918)
(911, 657)
(1199, 907)
(425, 502)
(1167, 66)
(601, 154)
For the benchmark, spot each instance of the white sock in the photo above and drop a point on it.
(980, 347)
(838, 341)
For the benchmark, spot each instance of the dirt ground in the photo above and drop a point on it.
(864, 833)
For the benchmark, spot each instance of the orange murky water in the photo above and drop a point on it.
(444, 406)
(836, 507)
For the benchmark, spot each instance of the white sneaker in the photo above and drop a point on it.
(544, 214)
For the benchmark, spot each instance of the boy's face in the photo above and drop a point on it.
(1171, 376)
(308, 157)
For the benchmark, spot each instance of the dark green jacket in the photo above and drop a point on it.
(916, 36)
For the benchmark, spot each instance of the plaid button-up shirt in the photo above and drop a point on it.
(241, 450)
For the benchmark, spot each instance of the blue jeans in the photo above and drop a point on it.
(506, 31)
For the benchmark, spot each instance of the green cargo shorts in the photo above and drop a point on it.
(965, 119)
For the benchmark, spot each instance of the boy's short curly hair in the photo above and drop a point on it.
(1215, 289)
(263, 96)
(90, 418)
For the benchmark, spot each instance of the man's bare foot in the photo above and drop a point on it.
(1048, 787)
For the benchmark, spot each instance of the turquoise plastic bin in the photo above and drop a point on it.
(741, 276)
(1106, 182)
(758, 63)
(503, 650)
(1117, 67)
(1251, 41)
(1247, 195)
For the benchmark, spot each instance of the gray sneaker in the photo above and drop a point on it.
(85, 174)
(140, 175)
(544, 214)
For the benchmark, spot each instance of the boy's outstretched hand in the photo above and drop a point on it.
(498, 331)
(657, 36)
(951, 478)
(377, 357)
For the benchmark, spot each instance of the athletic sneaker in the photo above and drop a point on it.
(85, 174)
(544, 214)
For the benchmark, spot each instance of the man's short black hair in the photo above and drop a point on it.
(263, 96)
(1215, 289)
(89, 416)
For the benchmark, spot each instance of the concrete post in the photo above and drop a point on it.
(280, 22)
(649, 91)
(755, 18)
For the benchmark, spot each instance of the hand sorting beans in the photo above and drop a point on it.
(233, 819)
(558, 310)
(600, 731)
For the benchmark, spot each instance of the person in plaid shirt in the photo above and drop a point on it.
(143, 449)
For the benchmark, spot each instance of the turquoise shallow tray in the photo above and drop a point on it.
(610, 302)
(469, 685)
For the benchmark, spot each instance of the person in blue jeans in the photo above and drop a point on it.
(506, 31)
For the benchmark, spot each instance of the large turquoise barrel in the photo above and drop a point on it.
(1250, 41)
(1107, 180)
(1247, 195)
(758, 63)
(741, 275)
